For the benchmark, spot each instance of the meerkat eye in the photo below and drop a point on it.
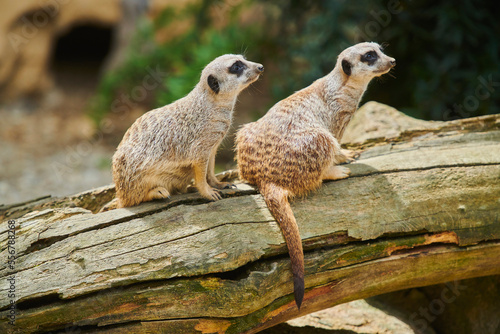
(237, 68)
(370, 57)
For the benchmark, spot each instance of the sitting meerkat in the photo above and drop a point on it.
(166, 148)
(295, 146)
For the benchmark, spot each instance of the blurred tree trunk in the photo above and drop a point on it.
(133, 12)
(421, 208)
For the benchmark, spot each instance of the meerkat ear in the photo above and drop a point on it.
(213, 83)
(346, 66)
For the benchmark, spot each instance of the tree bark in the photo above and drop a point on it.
(422, 207)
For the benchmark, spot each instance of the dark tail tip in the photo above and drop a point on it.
(298, 290)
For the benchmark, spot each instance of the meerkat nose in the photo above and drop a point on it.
(393, 62)
(261, 68)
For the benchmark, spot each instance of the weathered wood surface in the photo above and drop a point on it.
(422, 207)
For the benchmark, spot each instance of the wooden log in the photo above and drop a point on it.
(422, 207)
(460, 307)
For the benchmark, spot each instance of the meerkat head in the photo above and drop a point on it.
(230, 74)
(364, 61)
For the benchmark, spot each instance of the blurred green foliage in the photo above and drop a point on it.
(447, 52)
(182, 58)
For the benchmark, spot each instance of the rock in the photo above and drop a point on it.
(376, 120)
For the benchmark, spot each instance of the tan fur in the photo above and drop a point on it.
(167, 147)
(295, 146)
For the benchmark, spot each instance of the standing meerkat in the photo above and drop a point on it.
(295, 146)
(167, 147)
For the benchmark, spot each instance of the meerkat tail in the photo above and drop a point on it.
(276, 199)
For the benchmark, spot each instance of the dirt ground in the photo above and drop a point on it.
(44, 152)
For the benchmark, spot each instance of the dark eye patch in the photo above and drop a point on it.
(370, 57)
(237, 68)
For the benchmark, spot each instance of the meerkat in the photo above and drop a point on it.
(295, 146)
(166, 148)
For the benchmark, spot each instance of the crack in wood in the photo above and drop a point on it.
(47, 242)
(393, 171)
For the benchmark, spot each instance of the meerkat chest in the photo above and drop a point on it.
(211, 124)
(219, 120)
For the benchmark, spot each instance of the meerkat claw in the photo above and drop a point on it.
(211, 194)
(216, 196)
(222, 185)
(158, 193)
(348, 156)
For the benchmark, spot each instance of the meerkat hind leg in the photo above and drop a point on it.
(336, 173)
(200, 182)
(157, 193)
(212, 180)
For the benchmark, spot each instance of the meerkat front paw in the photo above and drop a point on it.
(214, 195)
(336, 173)
(210, 194)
